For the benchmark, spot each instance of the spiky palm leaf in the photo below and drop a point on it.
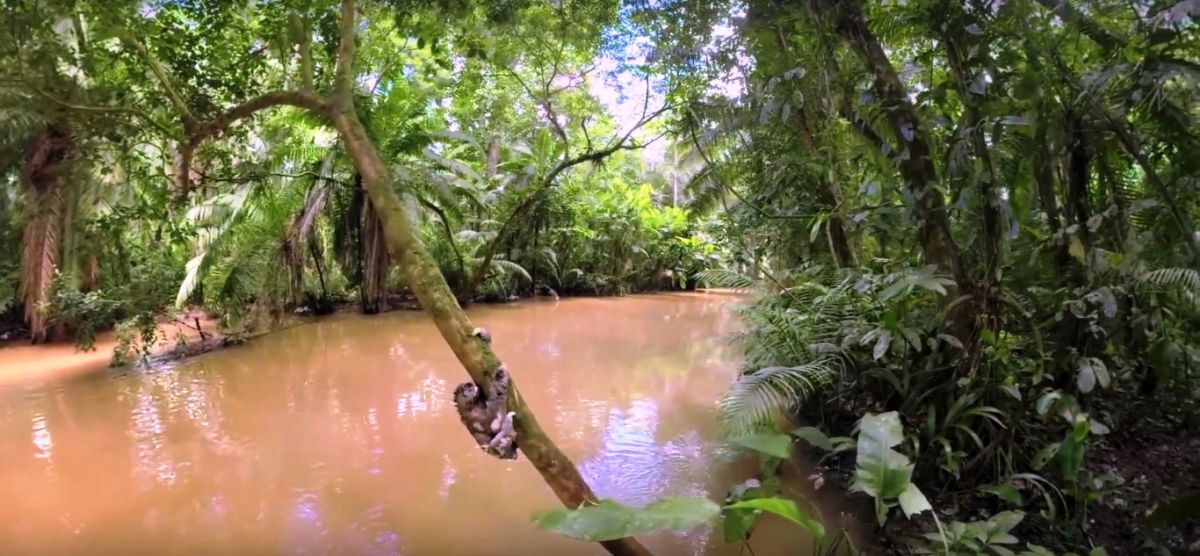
(1184, 277)
(511, 268)
(759, 397)
(722, 278)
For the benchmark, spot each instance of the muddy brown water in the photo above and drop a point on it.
(341, 437)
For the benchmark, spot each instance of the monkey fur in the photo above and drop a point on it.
(488, 420)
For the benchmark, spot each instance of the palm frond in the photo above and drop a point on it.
(721, 278)
(509, 267)
(1186, 277)
(758, 398)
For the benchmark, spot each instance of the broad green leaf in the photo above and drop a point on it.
(814, 437)
(1045, 455)
(913, 501)
(1071, 450)
(783, 508)
(1004, 492)
(1076, 249)
(736, 524)
(608, 520)
(881, 471)
(770, 443)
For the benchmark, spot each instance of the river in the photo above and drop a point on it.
(340, 436)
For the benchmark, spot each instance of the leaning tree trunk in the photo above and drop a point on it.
(406, 248)
(44, 200)
(428, 284)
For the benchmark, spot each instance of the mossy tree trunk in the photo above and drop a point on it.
(404, 245)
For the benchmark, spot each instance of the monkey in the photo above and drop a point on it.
(488, 419)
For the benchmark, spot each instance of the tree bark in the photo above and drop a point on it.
(438, 300)
(916, 166)
(376, 262)
(830, 193)
(956, 55)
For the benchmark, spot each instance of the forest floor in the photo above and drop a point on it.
(1148, 459)
(1154, 450)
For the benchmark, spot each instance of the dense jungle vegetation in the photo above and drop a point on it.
(966, 229)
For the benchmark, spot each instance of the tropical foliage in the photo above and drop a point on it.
(967, 228)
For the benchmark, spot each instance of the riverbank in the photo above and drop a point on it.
(192, 334)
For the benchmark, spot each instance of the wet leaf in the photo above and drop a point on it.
(950, 340)
(1086, 380)
(882, 343)
(1004, 492)
(813, 436)
(1046, 402)
(770, 443)
(609, 520)
(784, 508)
(1044, 455)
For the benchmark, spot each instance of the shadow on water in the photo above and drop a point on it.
(340, 436)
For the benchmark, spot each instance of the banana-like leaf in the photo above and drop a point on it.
(608, 520)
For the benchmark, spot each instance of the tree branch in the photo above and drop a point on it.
(462, 267)
(101, 109)
(1088, 26)
(201, 133)
(343, 79)
(254, 177)
(189, 119)
(527, 205)
(304, 45)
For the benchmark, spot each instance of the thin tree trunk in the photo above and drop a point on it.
(829, 192)
(1043, 175)
(376, 262)
(1078, 174)
(974, 129)
(916, 165)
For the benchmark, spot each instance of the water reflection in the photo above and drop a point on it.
(341, 436)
